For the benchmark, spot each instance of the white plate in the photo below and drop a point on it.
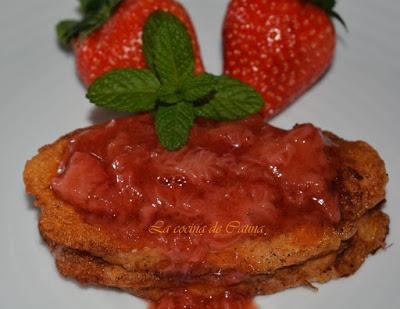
(41, 99)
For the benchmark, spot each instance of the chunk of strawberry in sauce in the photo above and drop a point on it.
(184, 299)
(84, 174)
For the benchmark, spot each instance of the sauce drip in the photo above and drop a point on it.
(185, 300)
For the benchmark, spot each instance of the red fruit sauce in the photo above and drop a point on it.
(182, 299)
(119, 178)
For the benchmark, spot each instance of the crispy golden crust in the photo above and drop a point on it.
(372, 229)
(343, 263)
(362, 177)
(361, 183)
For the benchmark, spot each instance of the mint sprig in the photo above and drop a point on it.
(169, 89)
(95, 13)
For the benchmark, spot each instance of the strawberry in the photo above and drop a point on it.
(110, 35)
(280, 48)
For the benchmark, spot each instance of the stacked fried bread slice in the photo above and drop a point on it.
(306, 253)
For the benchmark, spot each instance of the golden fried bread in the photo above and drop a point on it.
(361, 185)
(306, 251)
(372, 229)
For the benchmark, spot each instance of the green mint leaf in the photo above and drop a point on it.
(149, 36)
(95, 14)
(232, 100)
(125, 90)
(168, 95)
(197, 87)
(168, 49)
(173, 124)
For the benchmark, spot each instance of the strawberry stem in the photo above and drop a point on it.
(328, 6)
(95, 14)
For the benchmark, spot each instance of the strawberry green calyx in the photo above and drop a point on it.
(328, 6)
(95, 13)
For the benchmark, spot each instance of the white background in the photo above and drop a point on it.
(41, 99)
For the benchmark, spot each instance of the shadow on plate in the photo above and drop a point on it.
(99, 115)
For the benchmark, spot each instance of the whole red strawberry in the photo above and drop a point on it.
(110, 34)
(280, 47)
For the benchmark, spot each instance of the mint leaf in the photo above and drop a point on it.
(232, 100)
(193, 89)
(197, 87)
(125, 90)
(168, 95)
(149, 36)
(168, 48)
(95, 14)
(173, 124)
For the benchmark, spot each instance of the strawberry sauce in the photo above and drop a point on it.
(233, 180)
(183, 299)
